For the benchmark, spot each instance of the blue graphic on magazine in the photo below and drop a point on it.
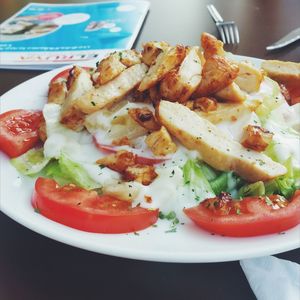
(65, 27)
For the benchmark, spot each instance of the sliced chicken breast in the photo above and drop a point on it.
(214, 146)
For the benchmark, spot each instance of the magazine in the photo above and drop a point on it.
(46, 36)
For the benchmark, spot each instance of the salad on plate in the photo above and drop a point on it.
(173, 132)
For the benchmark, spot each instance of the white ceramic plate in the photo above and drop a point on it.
(188, 244)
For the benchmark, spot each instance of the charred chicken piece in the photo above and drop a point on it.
(211, 45)
(160, 142)
(57, 92)
(142, 173)
(121, 141)
(118, 161)
(206, 104)
(151, 50)
(217, 73)
(130, 57)
(145, 118)
(109, 68)
(125, 163)
(164, 63)
(256, 138)
(79, 82)
(179, 84)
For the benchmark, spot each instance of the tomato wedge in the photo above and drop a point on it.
(139, 159)
(249, 217)
(86, 210)
(65, 74)
(294, 90)
(19, 131)
(291, 91)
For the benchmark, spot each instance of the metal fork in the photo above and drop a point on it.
(228, 30)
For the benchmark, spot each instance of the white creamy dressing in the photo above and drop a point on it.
(100, 124)
(265, 90)
(235, 129)
(284, 122)
(78, 146)
(167, 191)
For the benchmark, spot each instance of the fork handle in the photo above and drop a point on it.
(214, 13)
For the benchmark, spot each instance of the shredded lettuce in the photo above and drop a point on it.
(227, 182)
(31, 162)
(208, 171)
(53, 171)
(234, 183)
(271, 187)
(209, 181)
(65, 171)
(284, 149)
(76, 173)
(194, 177)
(287, 184)
(220, 183)
(253, 189)
(271, 151)
(282, 186)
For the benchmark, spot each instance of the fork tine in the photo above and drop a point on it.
(227, 34)
(221, 31)
(228, 30)
(237, 36)
(232, 35)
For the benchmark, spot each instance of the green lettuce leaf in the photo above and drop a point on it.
(194, 177)
(63, 171)
(220, 184)
(76, 173)
(209, 173)
(253, 189)
(287, 184)
(31, 162)
(212, 181)
(54, 171)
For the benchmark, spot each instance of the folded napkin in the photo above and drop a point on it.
(272, 278)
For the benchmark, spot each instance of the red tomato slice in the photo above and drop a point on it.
(139, 159)
(86, 210)
(65, 74)
(294, 90)
(249, 217)
(19, 131)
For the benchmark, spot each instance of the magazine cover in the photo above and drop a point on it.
(44, 36)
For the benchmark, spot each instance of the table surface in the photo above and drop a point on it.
(35, 267)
